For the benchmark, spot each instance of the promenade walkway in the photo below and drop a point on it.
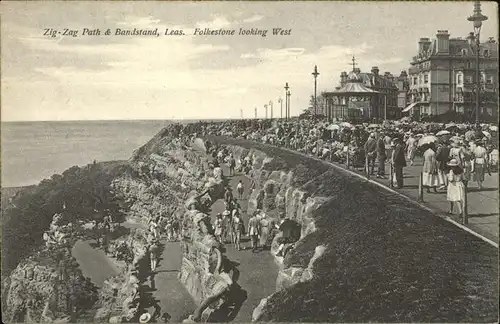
(482, 204)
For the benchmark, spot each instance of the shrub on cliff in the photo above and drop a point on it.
(83, 190)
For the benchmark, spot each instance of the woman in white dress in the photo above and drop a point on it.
(430, 169)
(219, 227)
(456, 190)
(264, 227)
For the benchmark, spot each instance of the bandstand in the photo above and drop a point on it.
(353, 101)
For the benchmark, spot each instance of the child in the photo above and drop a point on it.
(456, 189)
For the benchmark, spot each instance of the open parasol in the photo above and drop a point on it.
(333, 127)
(494, 128)
(442, 132)
(427, 140)
(200, 145)
(450, 126)
(346, 125)
(487, 134)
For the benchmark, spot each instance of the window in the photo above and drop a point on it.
(468, 79)
(486, 53)
(459, 79)
(468, 64)
(464, 51)
(426, 78)
(489, 80)
(414, 80)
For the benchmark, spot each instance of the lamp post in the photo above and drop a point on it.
(286, 100)
(265, 106)
(255, 111)
(271, 105)
(477, 21)
(315, 75)
(241, 113)
(288, 95)
(281, 106)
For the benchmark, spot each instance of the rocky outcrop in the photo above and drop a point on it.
(201, 272)
(275, 192)
(170, 177)
(49, 285)
(280, 195)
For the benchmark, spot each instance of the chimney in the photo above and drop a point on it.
(375, 70)
(423, 44)
(471, 39)
(443, 42)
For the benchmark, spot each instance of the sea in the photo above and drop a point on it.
(33, 151)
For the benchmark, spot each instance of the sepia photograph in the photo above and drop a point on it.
(249, 161)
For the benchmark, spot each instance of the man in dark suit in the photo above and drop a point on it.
(381, 156)
(399, 161)
(371, 153)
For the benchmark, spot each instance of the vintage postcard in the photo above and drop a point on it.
(250, 161)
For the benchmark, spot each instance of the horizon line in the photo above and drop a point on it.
(101, 120)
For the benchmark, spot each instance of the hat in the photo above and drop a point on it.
(146, 317)
(453, 162)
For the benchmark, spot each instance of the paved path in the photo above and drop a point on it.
(163, 292)
(482, 205)
(258, 271)
(94, 263)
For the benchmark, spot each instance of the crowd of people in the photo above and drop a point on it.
(453, 154)
(229, 226)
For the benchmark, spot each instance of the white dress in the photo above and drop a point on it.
(456, 188)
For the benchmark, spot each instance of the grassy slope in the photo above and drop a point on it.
(386, 259)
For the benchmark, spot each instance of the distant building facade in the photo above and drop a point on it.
(442, 77)
(403, 84)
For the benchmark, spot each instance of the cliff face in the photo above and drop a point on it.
(357, 246)
(171, 177)
(364, 253)
(283, 189)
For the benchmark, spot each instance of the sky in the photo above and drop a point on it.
(112, 77)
